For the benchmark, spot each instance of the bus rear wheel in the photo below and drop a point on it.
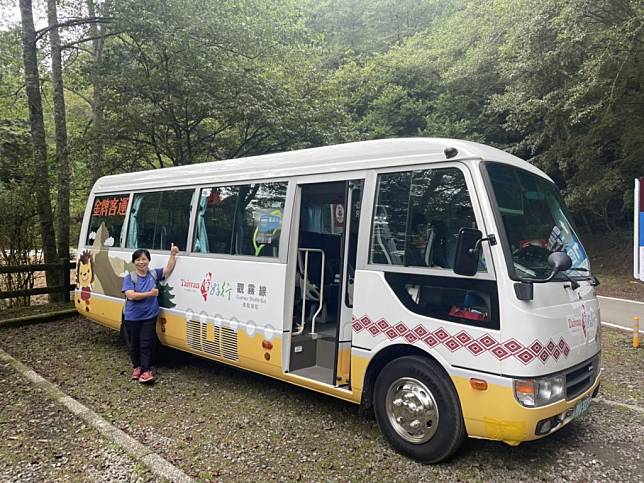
(418, 410)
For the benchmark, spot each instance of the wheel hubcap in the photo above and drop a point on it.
(412, 410)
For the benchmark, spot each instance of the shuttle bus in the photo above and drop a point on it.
(440, 282)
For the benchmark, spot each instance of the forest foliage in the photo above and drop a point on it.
(175, 82)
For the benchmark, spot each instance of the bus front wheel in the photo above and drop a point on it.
(418, 410)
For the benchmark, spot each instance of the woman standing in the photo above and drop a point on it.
(142, 310)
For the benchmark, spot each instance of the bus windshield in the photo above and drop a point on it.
(536, 222)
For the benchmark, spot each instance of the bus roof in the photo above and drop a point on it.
(328, 159)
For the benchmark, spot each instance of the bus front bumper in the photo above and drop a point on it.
(495, 414)
(554, 423)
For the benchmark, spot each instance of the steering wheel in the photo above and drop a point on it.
(535, 253)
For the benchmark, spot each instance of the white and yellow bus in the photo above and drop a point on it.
(439, 281)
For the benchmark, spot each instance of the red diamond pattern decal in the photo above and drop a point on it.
(536, 347)
(410, 337)
(463, 337)
(500, 353)
(420, 331)
(485, 343)
(431, 341)
(391, 333)
(513, 346)
(401, 328)
(441, 334)
(525, 356)
(452, 344)
(475, 348)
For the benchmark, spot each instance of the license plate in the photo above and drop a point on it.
(581, 407)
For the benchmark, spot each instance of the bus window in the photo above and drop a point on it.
(240, 220)
(536, 222)
(108, 211)
(417, 218)
(158, 219)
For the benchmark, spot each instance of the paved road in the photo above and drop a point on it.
(620, 312)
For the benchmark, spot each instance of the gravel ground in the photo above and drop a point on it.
(42, 441)
(624, 368)
(217, 423)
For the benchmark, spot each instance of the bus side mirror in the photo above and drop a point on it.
(466, 260)
(559, 262)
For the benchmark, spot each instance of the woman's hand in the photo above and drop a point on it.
(132, 295)
(174, 250)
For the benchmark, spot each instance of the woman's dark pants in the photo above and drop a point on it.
(140, 341)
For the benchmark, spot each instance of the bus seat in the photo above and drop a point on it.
(436, 252)
(385, 240)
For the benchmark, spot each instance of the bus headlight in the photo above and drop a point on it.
(539, 392)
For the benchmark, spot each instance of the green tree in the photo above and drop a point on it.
(18, 232)
(366, 27)
(188, 82)
(40, 172)
(574, 74)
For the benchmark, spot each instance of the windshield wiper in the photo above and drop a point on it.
(594, 281)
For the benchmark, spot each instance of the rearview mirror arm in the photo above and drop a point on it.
(491, 239)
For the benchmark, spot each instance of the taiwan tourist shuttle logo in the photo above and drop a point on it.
(205, 286)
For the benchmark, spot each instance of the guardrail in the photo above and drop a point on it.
(64, 265)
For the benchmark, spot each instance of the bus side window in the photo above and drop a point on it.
(388, 236)
(240, 220)
(417, 218)
(106, 222)
(158, 219)
(459, 300)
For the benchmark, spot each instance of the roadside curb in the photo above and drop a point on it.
(135, 449)
(31, 319)
(631, 407)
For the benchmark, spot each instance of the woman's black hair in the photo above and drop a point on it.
(139, 252)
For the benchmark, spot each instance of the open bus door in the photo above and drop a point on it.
(326, 257)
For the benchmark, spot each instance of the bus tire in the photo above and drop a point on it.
(418, 410)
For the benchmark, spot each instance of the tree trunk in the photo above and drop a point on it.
(40, 169)
(97, 161)
(60, 125)
(606, 217)
(589, 228)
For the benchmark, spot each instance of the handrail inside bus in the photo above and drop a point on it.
(305, 275)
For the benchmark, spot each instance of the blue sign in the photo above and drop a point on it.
(638, 232)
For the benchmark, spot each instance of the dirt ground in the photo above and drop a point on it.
(42, 441)
(217, 423)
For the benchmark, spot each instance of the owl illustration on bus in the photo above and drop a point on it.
(85, 277)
